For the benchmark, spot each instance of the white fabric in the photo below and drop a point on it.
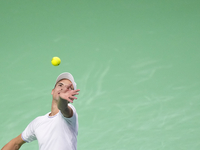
(53, 133)
(66, 75)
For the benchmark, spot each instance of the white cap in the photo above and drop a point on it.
(66, 75)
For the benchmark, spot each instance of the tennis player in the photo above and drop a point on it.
(58, 129)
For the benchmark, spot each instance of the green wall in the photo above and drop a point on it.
(135, 62)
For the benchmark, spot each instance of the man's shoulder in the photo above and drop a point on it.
(41, 117)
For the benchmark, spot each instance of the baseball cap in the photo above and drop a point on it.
(66, 75)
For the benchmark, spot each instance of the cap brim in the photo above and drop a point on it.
(66, 75)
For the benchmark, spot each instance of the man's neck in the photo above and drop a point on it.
(54, 108)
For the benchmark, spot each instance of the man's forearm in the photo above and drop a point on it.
(62, 104)
(11, 146)
(14, 144)
(64, 108)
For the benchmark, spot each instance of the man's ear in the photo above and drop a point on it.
(52, 92)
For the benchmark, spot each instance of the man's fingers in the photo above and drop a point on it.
(73, 97)
(70, 100)
(69, 94)
(68, 97)
(75, 93)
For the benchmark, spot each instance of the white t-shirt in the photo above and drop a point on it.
(53, 132)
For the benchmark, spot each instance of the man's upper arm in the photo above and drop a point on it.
(19, 141)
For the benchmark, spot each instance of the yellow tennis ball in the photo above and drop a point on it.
(55, 61)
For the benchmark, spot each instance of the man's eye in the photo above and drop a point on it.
(60, 85)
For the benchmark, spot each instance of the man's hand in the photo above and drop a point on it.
(68, 94)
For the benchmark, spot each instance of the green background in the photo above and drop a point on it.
(135, 62)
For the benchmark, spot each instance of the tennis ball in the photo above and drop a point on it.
(55, 61)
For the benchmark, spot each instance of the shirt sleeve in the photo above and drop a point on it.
(28, 135)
